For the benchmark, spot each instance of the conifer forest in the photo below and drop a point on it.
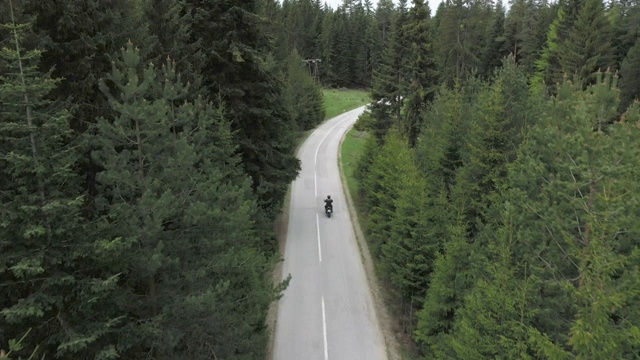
(147, 146)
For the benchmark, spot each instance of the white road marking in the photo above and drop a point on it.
(324, 332)
(318, 227)
(315, 158)
(315, 182)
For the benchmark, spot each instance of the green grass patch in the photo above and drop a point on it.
(337, 101)
(351, 150)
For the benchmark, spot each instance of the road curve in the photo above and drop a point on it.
(327, 311)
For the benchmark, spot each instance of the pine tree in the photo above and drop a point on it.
(415, 232)
(548, 71)
(372, 40)
(344, 50)
(384, 16)
(606, 291)
(517, 22)
(361, 23)
(484, 158)
(501, 114)
(533, 40)
(624, 16)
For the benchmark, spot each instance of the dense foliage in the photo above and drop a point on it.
(501, 188)
(146, 147)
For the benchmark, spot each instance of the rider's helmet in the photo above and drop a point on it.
(328, 196)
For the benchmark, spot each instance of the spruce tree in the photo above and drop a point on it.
(53, 288)
(630, 77)
(422, 68)
(86, 34)
(516, 23)
(547, 67)
(543, 14)
(606, 291)
(344, 50)
(169, 27)
(459, 40)
(389, 81)
(501, 114)
(439, 149)
(417, 234)
(562, 193)
(495, 320)
(303, 98)
(588, 49)
(328, 51)
(230, 39)
(484, 157)
(495, 47)
(382, 185)
(453, 277)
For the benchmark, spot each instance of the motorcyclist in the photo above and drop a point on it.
(328, 203)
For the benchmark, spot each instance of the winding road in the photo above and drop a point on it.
(327, 312)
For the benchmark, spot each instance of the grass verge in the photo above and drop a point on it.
(337, 101)
(350, 151)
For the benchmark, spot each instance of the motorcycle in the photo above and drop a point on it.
(328, 210)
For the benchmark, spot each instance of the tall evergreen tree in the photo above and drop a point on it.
(624, 16)
(549, 69)
(175, 198)
(85, 34)
(517, 22)
(501, 114)
(588, 49)
(382, 184)
(459, 38)
(344, 47)
(51, 283)
(630, 77)
(422, 68)
(439, 149)
(495, 321)
(453, 277)
(169, 27)
(389, 81)
(495, 47)
(328, 51)
(235, 50)
(303, 98)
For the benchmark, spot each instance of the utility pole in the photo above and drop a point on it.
(312, 65)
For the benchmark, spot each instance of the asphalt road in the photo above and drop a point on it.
(327, 311)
